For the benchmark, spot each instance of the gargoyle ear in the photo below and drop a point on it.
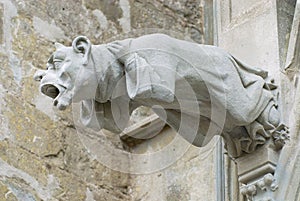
(82, 44)
(58, 45)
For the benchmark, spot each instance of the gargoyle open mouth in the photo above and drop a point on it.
(52, 90)
(58, 92)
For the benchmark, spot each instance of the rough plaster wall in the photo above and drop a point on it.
(41, 157)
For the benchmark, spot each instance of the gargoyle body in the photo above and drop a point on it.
(199, 90)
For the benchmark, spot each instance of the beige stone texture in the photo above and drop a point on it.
(41, 155)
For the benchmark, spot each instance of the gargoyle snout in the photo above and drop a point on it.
(38, 76)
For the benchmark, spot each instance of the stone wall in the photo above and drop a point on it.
(41, 155)
(265, 33)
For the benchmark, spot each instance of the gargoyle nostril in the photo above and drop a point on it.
(55, 102)
(38, 76)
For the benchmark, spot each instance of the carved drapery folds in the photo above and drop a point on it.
(267, 127)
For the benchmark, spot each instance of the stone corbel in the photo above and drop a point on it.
(256, 169)
(256, 173)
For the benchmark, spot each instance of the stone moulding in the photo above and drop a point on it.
(292, 59)
(261, 162)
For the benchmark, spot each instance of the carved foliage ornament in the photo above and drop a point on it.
(266, 184)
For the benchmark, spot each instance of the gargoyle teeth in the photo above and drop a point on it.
(62, 101)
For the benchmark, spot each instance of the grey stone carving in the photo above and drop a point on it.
(210, 90)
(261, 189)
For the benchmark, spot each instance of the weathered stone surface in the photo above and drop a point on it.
(167, 184)
(170, 16)
(6, 193)
(41, 155)
(240, 32)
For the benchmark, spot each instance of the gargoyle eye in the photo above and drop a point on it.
(57, 63)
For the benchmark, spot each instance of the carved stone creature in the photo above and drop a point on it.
(199, 90)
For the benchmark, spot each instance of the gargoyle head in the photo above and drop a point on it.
(69, 75)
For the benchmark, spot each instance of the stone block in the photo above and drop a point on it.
(257, 164)
(250, 32)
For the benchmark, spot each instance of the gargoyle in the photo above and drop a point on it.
(199, 90)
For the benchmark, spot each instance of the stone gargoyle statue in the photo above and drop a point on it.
(199, 90)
